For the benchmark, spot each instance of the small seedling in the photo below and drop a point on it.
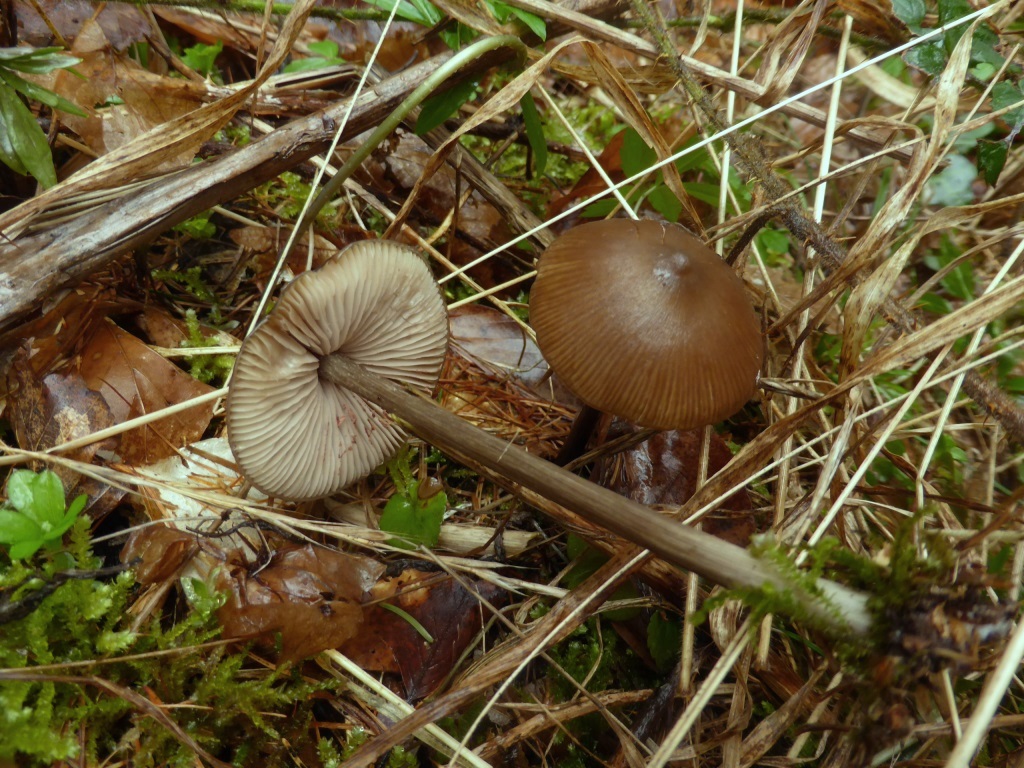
(23, 145)
(415, 520)
(35, 515)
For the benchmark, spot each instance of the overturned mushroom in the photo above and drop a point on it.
(295, 434)
(300, 361)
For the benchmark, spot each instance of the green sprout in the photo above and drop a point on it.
(35, 514)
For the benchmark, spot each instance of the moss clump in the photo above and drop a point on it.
(77, 684)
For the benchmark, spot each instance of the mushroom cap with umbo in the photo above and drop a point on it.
(296, 435)
(642, 320)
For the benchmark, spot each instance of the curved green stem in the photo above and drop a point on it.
(413, 100)
(259, 6)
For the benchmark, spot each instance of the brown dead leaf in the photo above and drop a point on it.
(266, 243)
(52, 409)
(496, 378)
(663, 470)
(134, 380)
(67, 317)
(148, 99)
(497, 343)
(162, 551)
(177, 139)
(313, 596)
(389, 643)
(122, 24)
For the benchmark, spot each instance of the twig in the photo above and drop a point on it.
(831, 606)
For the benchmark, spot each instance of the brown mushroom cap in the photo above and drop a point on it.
(642, 320)
(296, 435)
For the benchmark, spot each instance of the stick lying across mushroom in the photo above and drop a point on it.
(305, 425)
(295, 434)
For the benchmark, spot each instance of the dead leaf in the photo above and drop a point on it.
(311, 595)
(147, 99)
(162, 551)
(178, 138)
(53, 409)
(663, 471)
(447, 611)
(495, 377)
(134, 380)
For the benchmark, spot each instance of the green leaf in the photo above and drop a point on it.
(534, 133)
(665, 202)
(439, 108)
(910, 12)
(600, 208)
(417, 11)
(40, 94)
(15, 527)
(991, 159)
(201, 57)
(636, 155)
(20, 490)
(664, 639)
(930, 58)
(47, 497)
(703, 191)
(773, 242)
(25, 549)
(326, 56)
(414, 520)
(534, 23)
(37, 61)
(1004, 95)
(23, 145)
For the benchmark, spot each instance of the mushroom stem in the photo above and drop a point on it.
(831, 606)
(579, 435)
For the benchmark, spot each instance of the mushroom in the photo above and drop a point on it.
(642, 320)
(373, 314)
(294, 433)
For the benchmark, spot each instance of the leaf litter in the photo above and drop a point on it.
(879, 450)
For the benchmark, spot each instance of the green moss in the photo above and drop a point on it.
(59, 609)
(209, 369)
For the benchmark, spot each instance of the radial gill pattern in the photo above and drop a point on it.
(298, 436)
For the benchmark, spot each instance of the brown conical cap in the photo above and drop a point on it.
(642, 320)
(298, 436)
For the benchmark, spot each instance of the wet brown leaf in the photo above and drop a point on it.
(313, 596)
(162, 550)
(389, 643)
(497, 343)
(122, 24)
(134, 380)
(53, 409)
(663, 470)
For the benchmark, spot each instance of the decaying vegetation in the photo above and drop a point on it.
(168, 169)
